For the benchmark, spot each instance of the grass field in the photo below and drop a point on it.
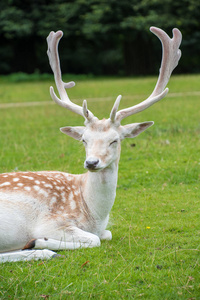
(155, 250)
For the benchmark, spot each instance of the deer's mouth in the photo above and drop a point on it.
(95, 170)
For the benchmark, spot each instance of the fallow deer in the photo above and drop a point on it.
(45, 211)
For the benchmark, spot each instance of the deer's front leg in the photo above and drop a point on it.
(76, 239)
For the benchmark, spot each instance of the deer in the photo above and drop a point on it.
(47, 211)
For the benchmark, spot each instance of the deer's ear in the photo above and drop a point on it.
(132, 130)
(75, 132)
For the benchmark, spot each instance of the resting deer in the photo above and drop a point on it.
(45, 211)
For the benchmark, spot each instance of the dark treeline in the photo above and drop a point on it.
(100, 37)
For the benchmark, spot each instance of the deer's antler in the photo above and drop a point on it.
(64, 101)
(170, 58)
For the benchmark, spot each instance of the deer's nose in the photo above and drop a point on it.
(91, 163)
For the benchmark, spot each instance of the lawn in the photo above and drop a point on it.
(155, 250)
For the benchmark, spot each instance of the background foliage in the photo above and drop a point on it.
(100, 37)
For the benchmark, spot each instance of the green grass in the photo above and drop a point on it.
(155, 251)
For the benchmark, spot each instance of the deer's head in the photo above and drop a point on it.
(102, 137)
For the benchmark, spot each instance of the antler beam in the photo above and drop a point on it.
(170, 58)
(64, 101)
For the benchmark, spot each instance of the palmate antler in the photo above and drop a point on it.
(64, 101)
(170, 58)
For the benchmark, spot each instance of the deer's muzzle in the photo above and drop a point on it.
(91, 163)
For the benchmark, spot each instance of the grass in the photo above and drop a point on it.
(155, 251)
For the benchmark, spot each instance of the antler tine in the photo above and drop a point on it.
(115, 108)
(64, 101)
(170, 58)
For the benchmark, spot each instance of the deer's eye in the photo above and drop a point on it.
(113, 142)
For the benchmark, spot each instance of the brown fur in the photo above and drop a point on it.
(56, 189)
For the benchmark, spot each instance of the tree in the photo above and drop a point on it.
(100, 37)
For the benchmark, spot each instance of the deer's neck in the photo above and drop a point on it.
(99, 190)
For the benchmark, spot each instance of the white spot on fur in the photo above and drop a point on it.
(36, 187)
(71, 197)
(15, 179)
(27, 188)
(5, 184)
(72, 204)
(37, 181)
(20, 184)
(5, 176)
(53, 200)
(28, 177)
(47, 185)
(63, 197)
(43, 192)
(69, 178)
